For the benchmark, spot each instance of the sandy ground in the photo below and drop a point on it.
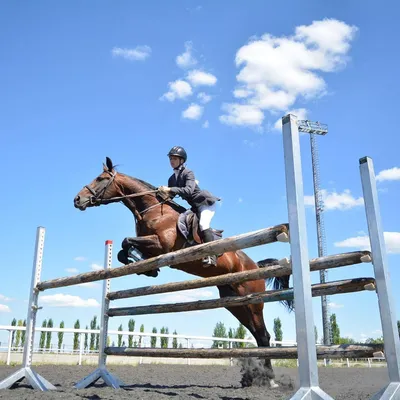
(193, 382)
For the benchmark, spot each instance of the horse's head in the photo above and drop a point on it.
(101, 188)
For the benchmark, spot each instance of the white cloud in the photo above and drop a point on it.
(65, 300)
(241, 114)
(72, 270)
(392, 242)
(187, 295)
(80, 258)
(139, 53)
(300, 113)
(4, 308)
(178, 89)
(194, 111)
(201, 78)
(96, 267)
(204, 97)
(89, 284)
(336, 201)
(278, 71)
(335, 305)
(206, 124)
(4, 298)
(240, 200)
(186, 59)
(392, 174)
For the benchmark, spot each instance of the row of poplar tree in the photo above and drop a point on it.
(91, 340)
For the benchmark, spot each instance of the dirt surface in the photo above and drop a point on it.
(193, 382)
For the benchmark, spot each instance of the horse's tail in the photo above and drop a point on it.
(277, 282)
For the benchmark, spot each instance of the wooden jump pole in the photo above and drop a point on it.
(322, 289)
(281, 269)
(256, 238)
(334, 351)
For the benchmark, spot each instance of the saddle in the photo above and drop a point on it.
(188, 226)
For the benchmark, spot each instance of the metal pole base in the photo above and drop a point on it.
(108, 378)
(311, 393)
(35, 380)
(390, 392)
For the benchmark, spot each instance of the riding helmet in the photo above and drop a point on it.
(179, 152)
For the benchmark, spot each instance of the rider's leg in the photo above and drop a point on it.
(206, 214)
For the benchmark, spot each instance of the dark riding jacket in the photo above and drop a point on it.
(185, 186)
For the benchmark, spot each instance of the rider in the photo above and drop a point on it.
(182, 183)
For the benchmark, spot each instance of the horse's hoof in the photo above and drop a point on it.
(122, 258)
(272, 384)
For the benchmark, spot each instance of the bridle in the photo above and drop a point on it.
(97, 195)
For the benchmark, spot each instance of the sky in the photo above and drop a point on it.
(81, 81)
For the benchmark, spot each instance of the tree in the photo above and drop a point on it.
(316, 334)
(97, 338)
(23, 334)
(86, 339)
(13, 323)
(153, 339)
(140, 337)
(375, 341)
(278, 331)
(120, 336)
(18, 336)
(42, 336)
(175, 341)
(60, 336)
(131, 328)
(77, 325)
(346, 340)
(164, 340)
(335, 329)
(240, 334)
(49, 334)
(219, 332)
(93, 324)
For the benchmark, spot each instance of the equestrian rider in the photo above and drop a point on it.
(182, 183)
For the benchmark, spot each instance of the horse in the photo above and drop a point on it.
(156, 222)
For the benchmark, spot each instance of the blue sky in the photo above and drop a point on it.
(84, 80)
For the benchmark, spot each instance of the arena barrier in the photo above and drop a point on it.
(302, 291)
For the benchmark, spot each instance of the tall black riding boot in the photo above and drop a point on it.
(208, 236)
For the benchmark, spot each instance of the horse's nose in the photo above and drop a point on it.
(76, 199)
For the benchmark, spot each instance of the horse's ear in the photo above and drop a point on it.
(109, 164)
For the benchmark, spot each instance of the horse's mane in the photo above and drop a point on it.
(177, 207)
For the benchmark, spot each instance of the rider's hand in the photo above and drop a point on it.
(164, 189)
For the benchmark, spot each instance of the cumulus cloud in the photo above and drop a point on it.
(300, 113)
(392, 242)
(96, 267)
(65, 300)
(4, 308)
(392, 174)
(139, 53)
(186, 295)
(336, 201)
(200, 78)
(72, 270)
(206, 124)
(204, 97)
(186, 59)
(80, 258)
(194, 111)
(277, 71)
(178, 89)
(241, 114)
(4, 298)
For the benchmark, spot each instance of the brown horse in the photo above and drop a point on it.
(157, 233)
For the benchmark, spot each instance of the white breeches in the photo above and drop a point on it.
(206, 215)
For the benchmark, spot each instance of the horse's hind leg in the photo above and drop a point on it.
(251, 316)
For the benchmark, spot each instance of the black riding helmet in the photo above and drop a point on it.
(179, 152)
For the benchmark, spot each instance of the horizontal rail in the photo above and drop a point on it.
(321, 289)
(281, 269)
(334, 351)
(256, 238)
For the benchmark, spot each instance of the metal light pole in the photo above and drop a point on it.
(316, 128)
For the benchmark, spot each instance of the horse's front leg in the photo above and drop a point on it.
(147, 245)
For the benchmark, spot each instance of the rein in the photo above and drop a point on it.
(112, 199)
